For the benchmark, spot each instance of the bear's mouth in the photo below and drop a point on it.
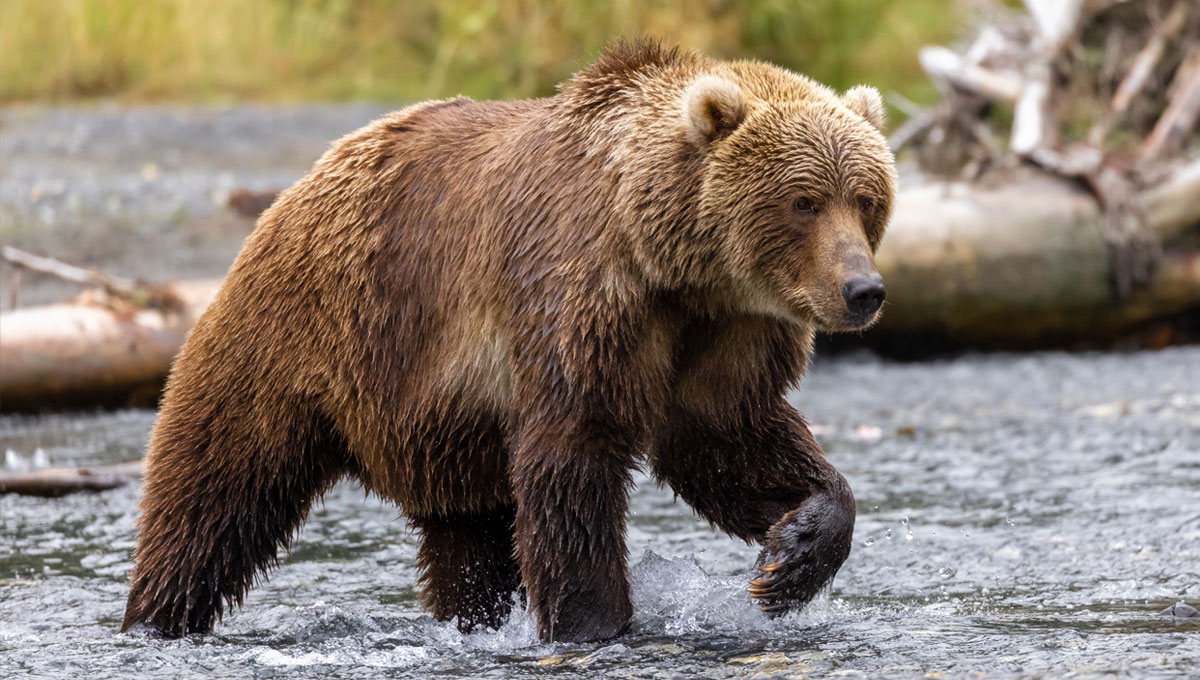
(844, 323)
(813, 314)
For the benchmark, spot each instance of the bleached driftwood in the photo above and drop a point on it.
(1026, 263)
(946, 66)
(89, 354)
(1146, 59)
(56, 482)
(1056, 21)
(135, 291)
(1172, 206)
(1181, 115)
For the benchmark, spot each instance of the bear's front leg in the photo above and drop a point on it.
(805, 548)
(571, 477)
(763, 479)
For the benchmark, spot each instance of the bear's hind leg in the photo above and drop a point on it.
(468, 567)
(222, 494)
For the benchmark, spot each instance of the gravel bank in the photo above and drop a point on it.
(141, 191)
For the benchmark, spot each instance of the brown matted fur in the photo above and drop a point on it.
(491, 313)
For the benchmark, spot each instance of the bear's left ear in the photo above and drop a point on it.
(866, 102)
(713, 108)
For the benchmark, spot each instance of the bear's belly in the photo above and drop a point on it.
(429, 433)
(437, 460)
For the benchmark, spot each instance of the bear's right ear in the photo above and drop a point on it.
(713, 108)
(866, 102)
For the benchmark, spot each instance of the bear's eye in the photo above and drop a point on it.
(865, 204)
(804, 204)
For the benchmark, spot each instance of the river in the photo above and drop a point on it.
(1018, 515)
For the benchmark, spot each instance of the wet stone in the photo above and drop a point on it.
(1181, 610)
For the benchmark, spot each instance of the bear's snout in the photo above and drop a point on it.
(864, 296)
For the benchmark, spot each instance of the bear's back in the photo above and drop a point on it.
(385, 281)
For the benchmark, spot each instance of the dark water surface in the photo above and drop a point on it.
(1018, 516)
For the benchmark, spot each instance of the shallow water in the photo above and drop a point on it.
(1018, 515)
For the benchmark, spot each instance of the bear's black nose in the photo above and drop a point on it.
(864, 295)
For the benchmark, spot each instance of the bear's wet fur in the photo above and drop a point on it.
(492, 313)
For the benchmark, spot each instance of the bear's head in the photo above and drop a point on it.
(798, 185)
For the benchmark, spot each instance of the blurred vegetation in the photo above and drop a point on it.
(397, 50)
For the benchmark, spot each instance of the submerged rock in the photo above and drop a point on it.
(1181, 610)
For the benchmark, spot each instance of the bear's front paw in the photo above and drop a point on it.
(803, 552)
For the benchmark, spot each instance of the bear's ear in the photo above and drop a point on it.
(713, 108)
(866, 102)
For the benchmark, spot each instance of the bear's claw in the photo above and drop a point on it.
(772, 586)
(765, 587)
(788, 584)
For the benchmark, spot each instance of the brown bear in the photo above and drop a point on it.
(492, 313)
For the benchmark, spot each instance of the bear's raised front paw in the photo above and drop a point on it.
(803, 552)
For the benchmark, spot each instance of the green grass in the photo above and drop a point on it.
(397, 50)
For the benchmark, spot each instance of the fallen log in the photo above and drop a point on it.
(1025, 264)
(57, 482)
(1173, 206)
(93, 353)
